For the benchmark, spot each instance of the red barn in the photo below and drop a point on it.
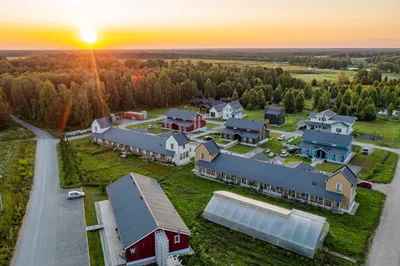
(148, 225)
(185, 121)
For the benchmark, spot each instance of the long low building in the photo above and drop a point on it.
(294, 230)
(336, 192)
(170, 148)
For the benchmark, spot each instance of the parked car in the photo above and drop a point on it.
(365, 151)
(151, 127)
(207, 138)
(282, 137)
(364, 184)
(293, 149)
(75, 194)
(284, 154)
(123, 155)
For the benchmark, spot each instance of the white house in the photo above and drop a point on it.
(329, 121)
(216, 110)
(166, 147)
(232, 110)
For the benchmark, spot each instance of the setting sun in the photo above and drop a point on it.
(88, 35)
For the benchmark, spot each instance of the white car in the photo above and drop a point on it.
(151, 127)
(123, 155)
(282, 137)
(75, 194)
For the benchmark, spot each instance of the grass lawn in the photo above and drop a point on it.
(212, 125)
(214, 244)
(156, 112)
(274, 145)
(328, 167)
(294, 141)
(389, 129)
(378, 167)
(15, 132)
(16, 168)
(240, 148)
(297, 159)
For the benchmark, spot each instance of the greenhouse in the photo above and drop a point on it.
(294, 230)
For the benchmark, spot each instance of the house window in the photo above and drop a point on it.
(212, 171)
(319, 200)
(339, 187)
(278, 189)
(244, 180)
(177, 239)
(224, 175)
(254, 183)
(266, 186)
(292, 193)
(187, 154)
(338, 130)
(202, 155)
(233, 178)
(181, 156)
(95, 128)
(172, 146)
(304, 196)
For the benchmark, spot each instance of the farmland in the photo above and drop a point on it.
(213, 244)
(16, 178)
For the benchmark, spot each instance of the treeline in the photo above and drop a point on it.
(358, 100)
(72, 89)
(386, 62)
(320, 62)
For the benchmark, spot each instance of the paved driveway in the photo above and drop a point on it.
(53, 230)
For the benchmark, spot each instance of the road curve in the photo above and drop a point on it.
(48, 235)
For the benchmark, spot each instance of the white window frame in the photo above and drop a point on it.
(339, 187)
(172, 146)
(243, 179)
(177, 239)
(338, 130)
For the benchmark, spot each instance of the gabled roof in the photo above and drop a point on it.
(181, 138)
(244, 124)
(328, 113)
(348, 173)
(177, 122)
(211, 147)
(140, 206)
(344, 118)
(272, 174)
(183, 114)
(219, 107)
(273, 112)
(103, 122)
(135, 139)
(327, 137)
(236, 106)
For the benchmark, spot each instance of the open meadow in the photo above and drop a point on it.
(214, 244)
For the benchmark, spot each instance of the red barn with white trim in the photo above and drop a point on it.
(147, 221)
(182, 120)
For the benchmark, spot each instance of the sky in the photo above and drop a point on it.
(185, 24)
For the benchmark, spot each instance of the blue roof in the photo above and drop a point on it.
(327, 137)
(244, 124)
(177, 122)
(272, 112)
(272, 174)
(211, 147)
(312, 146)
(186, 115)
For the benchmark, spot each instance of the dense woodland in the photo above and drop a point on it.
(320, 62)
(70, 90)
(386, 62)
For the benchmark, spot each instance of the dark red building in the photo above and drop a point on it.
(185, 121)
(147, 221)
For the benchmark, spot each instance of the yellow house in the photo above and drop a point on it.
(336, 192)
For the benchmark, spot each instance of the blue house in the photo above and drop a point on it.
(332, 147)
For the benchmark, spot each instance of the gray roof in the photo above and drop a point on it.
(236, 106)
(148, 142)
(312, 114)
(239, 132)
(260, 157)
(181, 138)
(219, 107)
(344, 118)
(327, 137)
(272, 174)
(273, 112)
(349, 174)
(177, 122)
(104, 122)
(186, 115)
(328, 113)
(211, 147)
(310, 123)
(245, 124)
(312, 146)
(304, 166)
(140, 206)
(140, 130)
(166, 134)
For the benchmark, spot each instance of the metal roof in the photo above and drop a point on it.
(236, 106)
(240, 132)
(177, 122)
(273, 112)
(148, 142)
(211, 147)
(140, 206)
(104, 122)
(272, 174)
(181, 138)
(186, 115)
(260, 157)
(245, 124)
(349, 174)
(328, 113)
(327, 137)
(219, 107)
(312, 146)
(344, 118)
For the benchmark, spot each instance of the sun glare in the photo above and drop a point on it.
(88, 35)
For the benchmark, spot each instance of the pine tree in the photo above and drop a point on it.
(390, 109)
(300, 99)
(289, 102)
(308, 92)
(277, 94)
(235, 95)
(261, 99)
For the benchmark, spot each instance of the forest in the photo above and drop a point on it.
(386, 62)
(320, 62)
(69, 90)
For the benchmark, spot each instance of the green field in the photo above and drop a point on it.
(214, 244)
(240, 148)
(274, 145)
(16, 168)
(378, 167)
(157, 124)
(389, 129)
(297, 159)
(328, 167)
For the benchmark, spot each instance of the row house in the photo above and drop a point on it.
(169, 148)
(335, 192)
(184, 121)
